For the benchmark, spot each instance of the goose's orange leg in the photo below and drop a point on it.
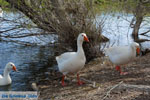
(62, 81)
(118, 68)
(79, 81)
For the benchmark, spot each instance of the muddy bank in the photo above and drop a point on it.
(100, 76)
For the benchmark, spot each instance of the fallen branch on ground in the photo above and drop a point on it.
(128, 87)
(115, 86)
(141, 65)
(93, 83)
(145, 88)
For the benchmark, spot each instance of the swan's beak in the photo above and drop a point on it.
(14, 68)
(138, 50)
(86, 38)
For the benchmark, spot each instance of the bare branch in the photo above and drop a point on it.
(115, 86)
(21, 42)
(25, 35)
(145, 32)
(9, 30)
(134, 87)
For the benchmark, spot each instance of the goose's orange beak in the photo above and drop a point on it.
(86, 38)
(14, 68)
(138, 50)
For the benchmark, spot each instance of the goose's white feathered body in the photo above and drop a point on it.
(72, 62)
(6, 79)
(122, 54)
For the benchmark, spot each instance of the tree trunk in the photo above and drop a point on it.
(135, 32)
(139, 13)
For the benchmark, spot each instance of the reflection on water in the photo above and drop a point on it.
(31, 63)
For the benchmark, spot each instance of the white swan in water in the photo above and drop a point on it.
(72, 62)
(6, 79)
(120, 55)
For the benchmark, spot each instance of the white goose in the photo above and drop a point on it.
(72, 62)
(122, 55)
(5, 79)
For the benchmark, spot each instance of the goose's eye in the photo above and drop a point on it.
(11, 65)
(82, 35)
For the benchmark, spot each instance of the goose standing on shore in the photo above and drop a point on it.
(72, 62)
(6, 79)
(120, 55)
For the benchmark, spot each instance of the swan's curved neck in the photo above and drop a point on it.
(79, 47)
(6, 73)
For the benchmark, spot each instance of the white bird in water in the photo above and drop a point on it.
(72, 62)
(6, 79)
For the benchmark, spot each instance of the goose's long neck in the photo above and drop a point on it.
(79, 47)
(6, 73)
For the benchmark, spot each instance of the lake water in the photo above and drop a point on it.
(32, 61)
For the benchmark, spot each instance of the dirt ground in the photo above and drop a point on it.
(104, 75)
